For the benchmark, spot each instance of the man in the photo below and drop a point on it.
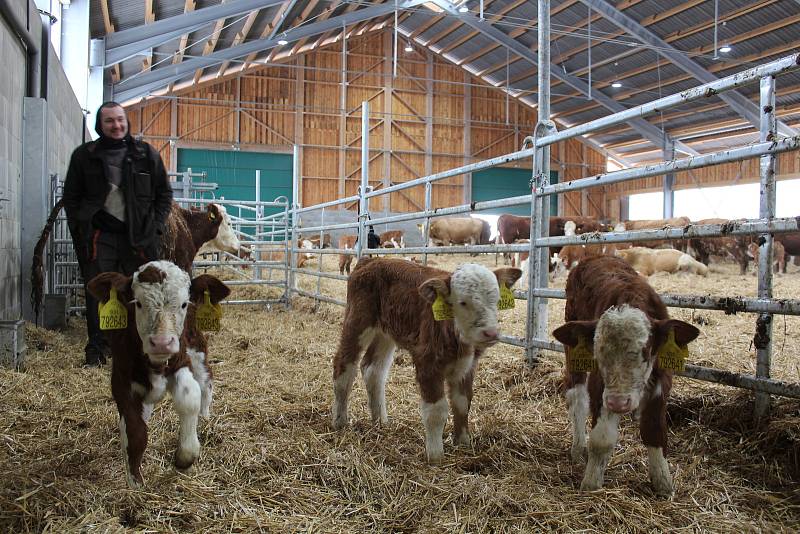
(117, 197)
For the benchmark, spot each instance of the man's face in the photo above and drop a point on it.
(113, 122)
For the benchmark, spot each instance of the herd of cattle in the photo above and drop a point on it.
(614, 320)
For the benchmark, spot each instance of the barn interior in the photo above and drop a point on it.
(255, 101)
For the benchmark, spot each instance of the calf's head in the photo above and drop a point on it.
(225, 239)
(158, 295)
(625, 345)
(472, 291)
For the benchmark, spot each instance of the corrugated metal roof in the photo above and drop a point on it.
(612, 56)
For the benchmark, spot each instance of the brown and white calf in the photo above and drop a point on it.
(159, 351)
(778, 256)
(389, 305)
(623, 322)
(345, 260)
(392, 239)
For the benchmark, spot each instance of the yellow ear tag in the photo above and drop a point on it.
(441, 309)
(207, 316)
(506, 298)
(671, 356)
(113, 315)
(580, 358)
(211, 216)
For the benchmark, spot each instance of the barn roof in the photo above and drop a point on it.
(648, 48)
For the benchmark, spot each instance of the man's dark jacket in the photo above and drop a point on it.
(145, 185)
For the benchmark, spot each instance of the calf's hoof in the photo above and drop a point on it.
(338, 422)
(135, 481)
(578, 455)
(662, 485)
(464, 439)
(185, 458)
(590, 484)
(435, 456)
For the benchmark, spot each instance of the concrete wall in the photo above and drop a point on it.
(12, 93)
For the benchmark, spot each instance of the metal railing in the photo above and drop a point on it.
(537, 338)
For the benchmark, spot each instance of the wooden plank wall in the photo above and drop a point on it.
(418, 123)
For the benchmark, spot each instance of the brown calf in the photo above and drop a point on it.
(730, 246)
(615, 319)
(388, 305)
(159, 351)
(778, 255)
(345, 260)
(392, 238)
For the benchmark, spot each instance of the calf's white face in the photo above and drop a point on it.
(473, 292)
(226, 239)
(161, 295)
(625, 345)
(623, 356)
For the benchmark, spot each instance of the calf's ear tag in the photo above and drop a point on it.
(671, 356)
(441, 309)
(506, 301)
(580, 358)
(207, 317)
(113, 315)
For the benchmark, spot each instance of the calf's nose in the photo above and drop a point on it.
(490, 333)
(618, 403)
(163, 344)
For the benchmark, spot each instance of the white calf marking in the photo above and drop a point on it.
(434, 417)
(187, 399)
(578, 405)
(658, 469)
(201, 375)
(601, 444)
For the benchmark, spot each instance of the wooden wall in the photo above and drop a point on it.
(430, 117)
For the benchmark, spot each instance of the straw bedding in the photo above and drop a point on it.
(270, 461)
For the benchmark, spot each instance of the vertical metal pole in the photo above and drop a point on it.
(187, 180)
(669, 181)
(763, 336)
(427, 228)
(589, 54)
(295, 221)
(716, 27)
(258, 229)
(363, 203)
(536, 327)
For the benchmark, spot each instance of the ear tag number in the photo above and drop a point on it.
(207, 317)
(441, 309)
(671, 356)
(506, 298)
(113, 315)
(580, 358)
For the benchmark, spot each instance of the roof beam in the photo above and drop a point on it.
(139, 86)
(735, 100)
(124, 44)
(285, 9)
(188, 6)
(109, 27)
(644, 128)
(239, 39)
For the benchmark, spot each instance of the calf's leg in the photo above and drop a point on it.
(653, 430)
(355, 338)
(433, 409)
(460, 393)
(187, 399)
(578, 409)
(375, 369)
(601, 444)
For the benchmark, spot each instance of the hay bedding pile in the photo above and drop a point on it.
(271, 463)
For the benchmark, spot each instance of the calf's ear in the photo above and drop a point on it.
(570, 333)
(685, 333)
(433, 287)
(100, 286)
(507, 276)
(216, 289)
(214, 214)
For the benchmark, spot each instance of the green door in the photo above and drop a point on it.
(502, 182)
(235, 174)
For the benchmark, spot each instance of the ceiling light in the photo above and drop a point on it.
(724, 49)
(463, 9)
(409, 48)
(616, 85)
(283, 42)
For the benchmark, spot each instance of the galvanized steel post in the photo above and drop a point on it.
(295, 222)
(763, 336)
(363, 201)
(540, 207)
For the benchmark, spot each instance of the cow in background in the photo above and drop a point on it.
(347, 242)
(389, 304)
(392, 238)
(734, 247)
(459, 231)
(778, 256)
(615, 317)
(648, 261)
(159, 351)
(512, 228)
(654, 224)
(791, 245)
